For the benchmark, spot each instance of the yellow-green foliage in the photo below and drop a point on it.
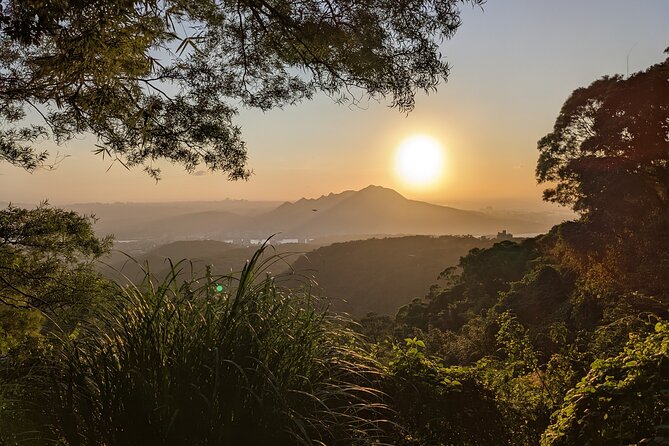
(17, 326)
(622, 399)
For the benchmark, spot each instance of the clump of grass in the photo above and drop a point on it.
(231, 361)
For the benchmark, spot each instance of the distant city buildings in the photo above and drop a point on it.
(286, 241)
(504, 235)
(283, 241)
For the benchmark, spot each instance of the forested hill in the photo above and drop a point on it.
(380, 275)
(358, 277)
(193, 256)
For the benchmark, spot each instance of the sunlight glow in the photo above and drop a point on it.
(419, 161)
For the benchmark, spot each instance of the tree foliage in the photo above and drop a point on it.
(45, 256)
(608, 158)
(622, 400)
(161, 79)
(437, 405)
(46, 268)
(608, 154)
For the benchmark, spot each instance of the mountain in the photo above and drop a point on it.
(171, 220)
(381, 275)
(286, 217)
(379, 210)
(372, 211)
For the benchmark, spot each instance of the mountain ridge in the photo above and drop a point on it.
(380, 210)
(371, 210)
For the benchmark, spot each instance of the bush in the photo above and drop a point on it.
(233, 361)
(622, 399)
(436, 405)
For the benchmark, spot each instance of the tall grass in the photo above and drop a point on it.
(170, 363)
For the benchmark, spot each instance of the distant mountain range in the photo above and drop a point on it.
(372, 211)
(378, 210)
(171, 221)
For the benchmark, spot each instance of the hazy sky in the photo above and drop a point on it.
(513, 65)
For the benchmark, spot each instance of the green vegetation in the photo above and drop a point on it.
(561, 339)
(185, 364)
(46, 270)
(622, 399)
(381, 273)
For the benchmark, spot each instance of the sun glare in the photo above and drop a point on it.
(419, 161)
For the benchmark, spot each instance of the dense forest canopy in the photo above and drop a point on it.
(162, 79)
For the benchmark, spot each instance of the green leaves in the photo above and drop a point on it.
(620, 400)
(46, 257)
(440, 405)
(166, 363)
(156, 80)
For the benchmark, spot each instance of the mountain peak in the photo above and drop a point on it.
(380, 192)
(374, 187)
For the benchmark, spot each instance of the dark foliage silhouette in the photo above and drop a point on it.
(159, 79)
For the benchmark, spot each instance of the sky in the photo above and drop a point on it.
(513, 64)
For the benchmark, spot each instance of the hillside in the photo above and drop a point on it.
(380, 275)
(375, 275)
(222, 257)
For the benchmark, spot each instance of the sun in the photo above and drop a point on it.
(419, 161)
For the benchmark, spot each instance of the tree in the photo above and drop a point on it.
(156, 79)
(608, 158)
(608, 153)
(46, 257)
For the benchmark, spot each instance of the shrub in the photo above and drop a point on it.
(622, 399)
(231, 361)
(438, 405)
